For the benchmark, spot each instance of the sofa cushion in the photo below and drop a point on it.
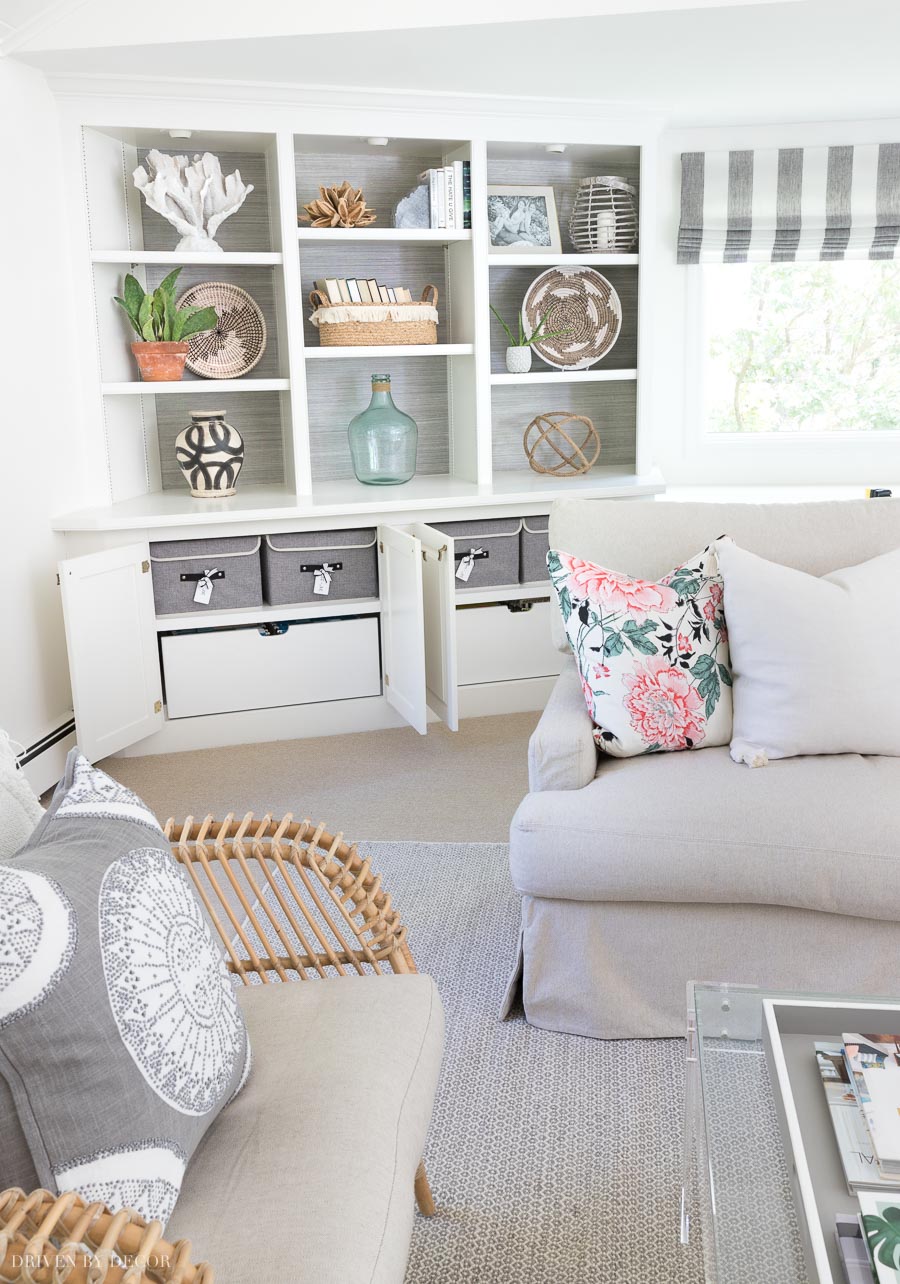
(652, 655)
(817, 833)
(307, 1178)
(813, 656)
(120, 1035)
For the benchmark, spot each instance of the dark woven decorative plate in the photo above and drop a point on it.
(584, 304)
(238, 341)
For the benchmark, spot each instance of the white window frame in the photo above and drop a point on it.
(828, 458)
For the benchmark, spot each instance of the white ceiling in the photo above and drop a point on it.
(790, 60)
(37, 25)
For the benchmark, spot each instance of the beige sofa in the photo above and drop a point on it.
(307, 1177)
(640, 874)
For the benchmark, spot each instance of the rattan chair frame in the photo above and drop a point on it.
(292, 902)
(51, 1239)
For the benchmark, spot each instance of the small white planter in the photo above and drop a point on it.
(518, 359)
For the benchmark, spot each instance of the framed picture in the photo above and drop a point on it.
(522, 218)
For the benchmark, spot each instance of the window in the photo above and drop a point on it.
(800, 348)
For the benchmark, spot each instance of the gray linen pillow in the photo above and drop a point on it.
(120, 1036)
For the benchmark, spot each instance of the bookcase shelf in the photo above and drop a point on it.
(549, 259)
(195, 387)
(262, 258)
(390, 351)
(563, 376)
(399, 235)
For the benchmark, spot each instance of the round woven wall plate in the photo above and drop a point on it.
(238, 341)
(580, 301)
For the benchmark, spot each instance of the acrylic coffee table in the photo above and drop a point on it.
(736, 1190)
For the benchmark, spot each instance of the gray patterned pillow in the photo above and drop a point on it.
(120, 1036)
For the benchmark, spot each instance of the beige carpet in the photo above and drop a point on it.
(447, 786)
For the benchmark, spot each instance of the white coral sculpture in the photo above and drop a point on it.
(196, 198)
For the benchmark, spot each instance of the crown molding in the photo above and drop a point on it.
(84, 86)
(39, 21)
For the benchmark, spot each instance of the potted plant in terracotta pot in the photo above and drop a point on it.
(163, 329)
(518, 353)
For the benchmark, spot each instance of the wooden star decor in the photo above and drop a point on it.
(343, 206)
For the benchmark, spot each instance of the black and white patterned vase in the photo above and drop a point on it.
(210, 453)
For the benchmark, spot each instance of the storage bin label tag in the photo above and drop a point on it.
(467, 563)
(322, 583)
(204, 589)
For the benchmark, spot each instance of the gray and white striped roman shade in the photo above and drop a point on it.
(791, 204)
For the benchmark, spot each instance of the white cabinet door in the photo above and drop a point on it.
(439, 588)
(402, 624)
(113, 658)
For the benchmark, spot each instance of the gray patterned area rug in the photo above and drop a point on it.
(553, 1159)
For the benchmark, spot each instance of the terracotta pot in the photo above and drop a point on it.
(160, 362)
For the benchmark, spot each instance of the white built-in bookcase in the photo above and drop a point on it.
(294, 407)
(431, 646)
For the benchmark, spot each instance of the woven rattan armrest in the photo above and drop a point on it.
(291, 902)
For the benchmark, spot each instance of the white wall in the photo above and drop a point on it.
(38, 396)
(680, 452)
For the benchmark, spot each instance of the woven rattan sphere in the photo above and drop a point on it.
(550, 434)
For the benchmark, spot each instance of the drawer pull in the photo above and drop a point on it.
(519, 607)
(320, 566)
(194, 577)
(273, 629)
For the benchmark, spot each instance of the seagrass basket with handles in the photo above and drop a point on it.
(361, 325)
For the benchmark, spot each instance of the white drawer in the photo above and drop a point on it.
(223, 670)
(495, 644)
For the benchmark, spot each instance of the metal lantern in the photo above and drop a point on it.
(604, 217)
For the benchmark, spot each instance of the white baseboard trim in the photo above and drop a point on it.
(331, 718)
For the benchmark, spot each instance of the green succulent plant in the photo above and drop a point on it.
(155, 317)
(523, 340)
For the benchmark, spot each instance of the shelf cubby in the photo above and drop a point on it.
(119, 218)
(509, 286)
(384, 174)
(530, 163)
(428, 390)
(612, 408)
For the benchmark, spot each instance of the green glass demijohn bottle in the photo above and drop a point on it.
(383, 439)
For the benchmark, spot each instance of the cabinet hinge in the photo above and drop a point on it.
(145, 567)
(57, 579)
(157, 707)
(381, 546)
(387, 679)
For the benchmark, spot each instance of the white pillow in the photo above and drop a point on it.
(814, 665)
(20, 810)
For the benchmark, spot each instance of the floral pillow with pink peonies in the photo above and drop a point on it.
(653, 657)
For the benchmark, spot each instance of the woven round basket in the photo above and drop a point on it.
(238, 341)
(392, 327)
(579, 301)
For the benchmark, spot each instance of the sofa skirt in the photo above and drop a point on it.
(620, 969)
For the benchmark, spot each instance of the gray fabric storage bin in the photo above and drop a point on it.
(284, 557)
(496, 536)
(534, 541)
(237, 582)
